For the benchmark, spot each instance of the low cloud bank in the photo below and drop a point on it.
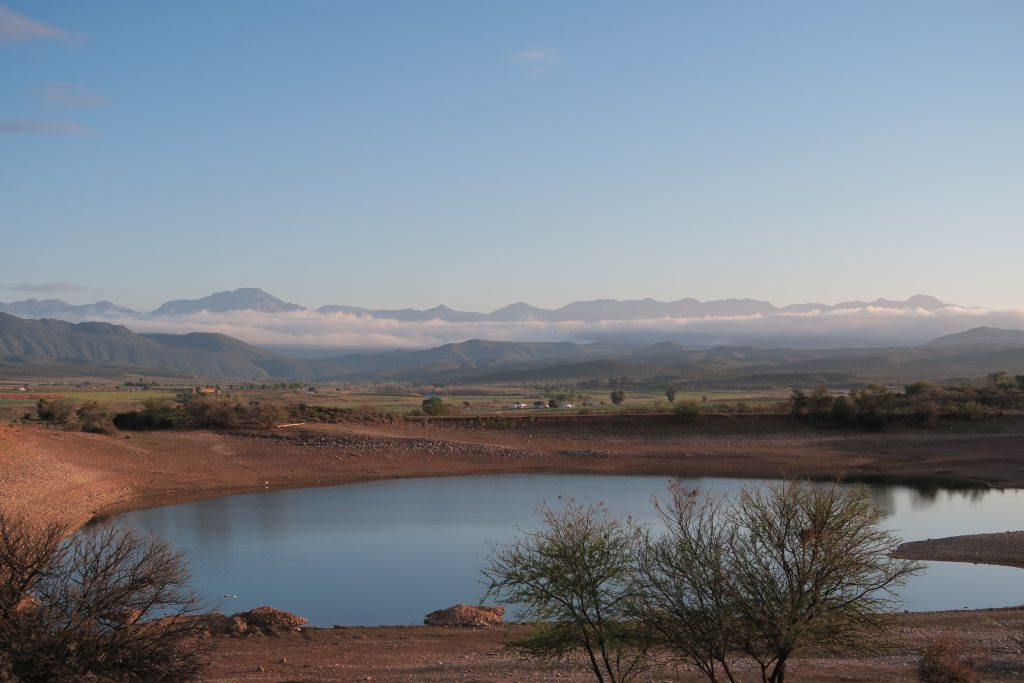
(869, 326)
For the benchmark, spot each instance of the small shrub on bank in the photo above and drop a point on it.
(947, 661)
(688, 410)
(56, 410)
(92, 418)
(307, 413)
(433, 406)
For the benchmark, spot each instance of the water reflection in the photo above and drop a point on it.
(389, 552)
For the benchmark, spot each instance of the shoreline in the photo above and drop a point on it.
(77, 478)
(1004, 549)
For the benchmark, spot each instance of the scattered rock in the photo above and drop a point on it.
(467, 616)
(266, 620)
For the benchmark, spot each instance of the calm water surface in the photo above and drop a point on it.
(389, 552)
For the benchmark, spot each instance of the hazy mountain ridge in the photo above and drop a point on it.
(48, 308)
(255, 299)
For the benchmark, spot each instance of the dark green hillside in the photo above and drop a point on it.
(102, 348)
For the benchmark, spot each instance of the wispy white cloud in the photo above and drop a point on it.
(536, 55)
(69, 95)
(31, 127)
(45, 287)
(16, 28)
(536, 61)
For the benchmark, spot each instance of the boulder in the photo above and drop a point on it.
(467, 616)
(266, 620)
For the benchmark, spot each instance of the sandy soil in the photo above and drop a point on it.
(49, 474)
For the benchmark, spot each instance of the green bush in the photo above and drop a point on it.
(57, 410)
(93, 418)
(433, 406)
(688, 409)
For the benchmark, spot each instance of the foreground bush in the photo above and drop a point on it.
(106, 606)
(947, 661)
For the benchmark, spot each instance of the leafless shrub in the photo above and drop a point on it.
(86, 607)
(947, 660)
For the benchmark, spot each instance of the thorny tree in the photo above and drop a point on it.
(685, 596)
(574, 579)
(812, 567)
(780, 568)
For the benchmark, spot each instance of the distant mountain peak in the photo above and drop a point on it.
(242, 299)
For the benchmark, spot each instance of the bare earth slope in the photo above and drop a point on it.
(69, 476)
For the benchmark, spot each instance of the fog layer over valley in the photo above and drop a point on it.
(258, 318)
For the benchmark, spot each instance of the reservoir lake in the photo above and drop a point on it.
(389, 552)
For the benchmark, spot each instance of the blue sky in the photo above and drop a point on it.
(391, 154)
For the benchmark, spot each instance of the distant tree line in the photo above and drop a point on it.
(89, 417)
(921, 403)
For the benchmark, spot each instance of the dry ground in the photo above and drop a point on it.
(437, 655)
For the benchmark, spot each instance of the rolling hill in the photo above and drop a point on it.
(53, 346)
(90, 348)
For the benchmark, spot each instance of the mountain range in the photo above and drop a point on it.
(33, 348)
(254, 299)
